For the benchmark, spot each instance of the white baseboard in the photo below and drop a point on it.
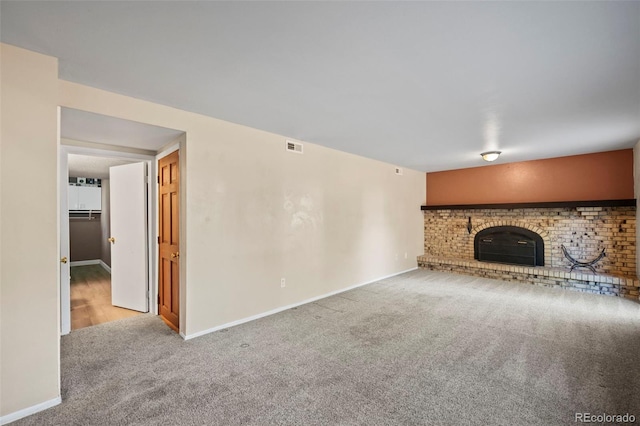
(85, 262)
(91, 262)
(105, 266)
(29, 411)
(284, 308)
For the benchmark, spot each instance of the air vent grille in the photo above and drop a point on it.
(292, 146)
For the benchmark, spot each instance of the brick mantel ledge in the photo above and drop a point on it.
(631, 202)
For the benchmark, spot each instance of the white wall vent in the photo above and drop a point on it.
(398, 171)
(293, 146)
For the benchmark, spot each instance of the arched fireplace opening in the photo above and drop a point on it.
(509, 244)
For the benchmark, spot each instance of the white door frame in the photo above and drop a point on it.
(65, 289)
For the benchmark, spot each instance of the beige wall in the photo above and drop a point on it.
(85, 238)
(251, 214)
(29, 325)
(255, 213)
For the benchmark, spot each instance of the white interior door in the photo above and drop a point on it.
(128, 192)
(65, 270)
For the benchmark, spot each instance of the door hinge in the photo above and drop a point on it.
(158, 239)
(158, 298)
(158, 178)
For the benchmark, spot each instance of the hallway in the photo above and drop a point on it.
(91, 298)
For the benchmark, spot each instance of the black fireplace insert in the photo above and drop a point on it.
(509, 244)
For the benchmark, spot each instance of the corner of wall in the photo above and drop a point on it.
(30, 303)
(636, 191)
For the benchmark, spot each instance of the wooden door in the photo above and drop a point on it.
(169, 250)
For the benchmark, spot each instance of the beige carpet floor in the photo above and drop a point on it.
(421, 348)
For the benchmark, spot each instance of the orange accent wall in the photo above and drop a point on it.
(600, 176)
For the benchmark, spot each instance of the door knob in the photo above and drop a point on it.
(176, 254)
(63, 259)
(111, 240)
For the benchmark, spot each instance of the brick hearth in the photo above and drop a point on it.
(538, 275)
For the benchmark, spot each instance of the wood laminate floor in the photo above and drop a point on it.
(91, 298)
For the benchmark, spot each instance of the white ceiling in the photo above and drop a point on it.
(92, 167)
(90, 127)
(425, 85)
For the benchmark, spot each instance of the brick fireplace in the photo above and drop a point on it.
(584, 230)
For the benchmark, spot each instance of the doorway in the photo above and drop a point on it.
(103, 137)
(95, 189)
(88, 292)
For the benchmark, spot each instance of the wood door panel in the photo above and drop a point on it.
(174, 289)
(166, 213)
(173, 237)
(169, 258)
(165, 296)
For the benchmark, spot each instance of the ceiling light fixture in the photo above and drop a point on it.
(491, 155)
